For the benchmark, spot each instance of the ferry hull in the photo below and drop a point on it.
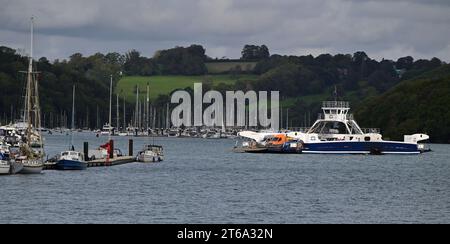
(70, 165)
(361, 148)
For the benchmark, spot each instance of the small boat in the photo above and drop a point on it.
(151, 153)
(107, 130)
(276, 143)
(71, 160)
(173, 133)
(5, 166)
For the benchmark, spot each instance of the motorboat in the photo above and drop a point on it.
(151, 153)
(5, 166)
(107, 129)
(71, 160)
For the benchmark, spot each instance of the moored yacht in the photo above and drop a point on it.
(151, 153)
(106, 130)
(71, 160)
(31, 159)
(5, 166)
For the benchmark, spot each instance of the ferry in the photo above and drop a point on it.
(336, 132)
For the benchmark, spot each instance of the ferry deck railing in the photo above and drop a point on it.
(335, 104)
(370, 130)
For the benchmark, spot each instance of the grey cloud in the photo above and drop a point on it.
(384, 29)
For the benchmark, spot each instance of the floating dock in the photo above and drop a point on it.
(111, 162)
(103, 162)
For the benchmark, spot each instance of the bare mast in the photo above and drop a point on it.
(136, 115)
(117, 115)
(28, 94)
(110, 104)
(146, 108)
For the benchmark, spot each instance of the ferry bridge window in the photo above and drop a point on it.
(330, 127)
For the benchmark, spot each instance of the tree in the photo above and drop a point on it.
(404, 62)
(255, 53)
(182, 61)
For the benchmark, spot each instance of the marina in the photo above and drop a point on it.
(232, 113)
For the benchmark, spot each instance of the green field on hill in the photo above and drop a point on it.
(165, 84)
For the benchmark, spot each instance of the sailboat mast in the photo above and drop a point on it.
(28, 93)
(146, 107)
(117, 95)
(73, 108)
(287, 119)
(97, 119)
(136, 113)
(124, 115)
(167, 117)
(110, 104)
(73, 116)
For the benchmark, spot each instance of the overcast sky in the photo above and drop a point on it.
(382, 28)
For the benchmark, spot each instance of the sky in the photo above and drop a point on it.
(382, 28)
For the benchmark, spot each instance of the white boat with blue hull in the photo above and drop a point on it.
(336, 132)
(71, 160)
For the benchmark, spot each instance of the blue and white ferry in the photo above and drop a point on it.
(336, 132)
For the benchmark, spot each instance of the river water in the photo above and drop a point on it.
(202, 181)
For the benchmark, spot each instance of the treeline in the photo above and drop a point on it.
(175, 61)
(183, 60)
(420, 104)
(303, 75)
(91, 76)
(303, 82)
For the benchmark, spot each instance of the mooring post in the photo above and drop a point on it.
(130, 147)
(86, 151)
(111, 145)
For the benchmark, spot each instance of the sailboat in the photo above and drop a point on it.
(32, 160)
(71, 159)
(150, 152)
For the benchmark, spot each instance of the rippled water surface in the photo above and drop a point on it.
(202, 181)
